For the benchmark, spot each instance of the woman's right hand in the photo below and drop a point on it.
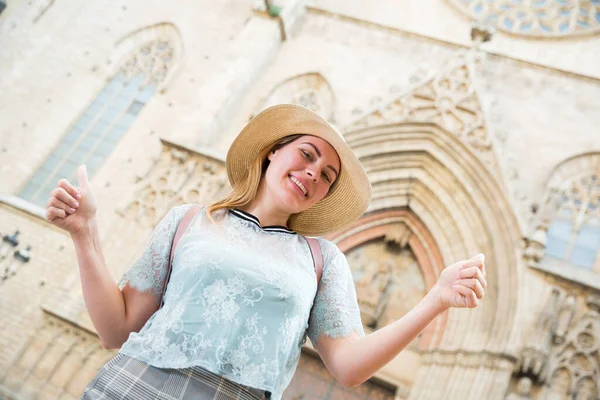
(71, 208)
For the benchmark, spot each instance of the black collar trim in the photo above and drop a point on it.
(251, 218)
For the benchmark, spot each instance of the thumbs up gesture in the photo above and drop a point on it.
(71, 208)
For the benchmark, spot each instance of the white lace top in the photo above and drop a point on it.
(240, 298)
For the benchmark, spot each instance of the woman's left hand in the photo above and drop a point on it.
(462, 284)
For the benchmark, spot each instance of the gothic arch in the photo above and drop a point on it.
(405, 228)
(310, 90)
(163, 40)
(424, 168)
(572, 184)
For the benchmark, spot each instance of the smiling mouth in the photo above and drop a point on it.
(300, 185)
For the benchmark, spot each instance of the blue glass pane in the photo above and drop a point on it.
(39, 178)
(122, 101)
(98, 129)
(88, 143)
(508, 24)
(586, 247)
(94, 162)
(114, 86)
(62, 150)
(478, 8)
(135, 107)
(126, 120)
(146, 93)
(559, 234)
(50, 164)
(133, 86)
(116, 133)
(105, 149)
(28, 191)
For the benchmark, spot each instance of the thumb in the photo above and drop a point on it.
(82, 176)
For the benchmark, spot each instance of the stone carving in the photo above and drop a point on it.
(575, 363)
(179, 176)
(388, 281)
(523, 390)
(152, 61)
(539, 18)
(572, 195)
(564, 319)
(309, 90)
(534, 355)
(448, 98)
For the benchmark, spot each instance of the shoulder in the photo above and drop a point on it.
(176, 214)
(331, 252)
(181, 209)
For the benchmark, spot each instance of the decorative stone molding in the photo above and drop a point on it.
(59, 356)
(448, 98)
(574, 367)
(179, 175)
(153, 52)
(573, 188)
(381, 298)
(535, 19)
(310, 90)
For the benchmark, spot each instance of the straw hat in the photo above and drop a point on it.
(351, 194)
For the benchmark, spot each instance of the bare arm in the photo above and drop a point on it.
(353, 360)
(114, 313)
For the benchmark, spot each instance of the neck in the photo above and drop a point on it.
(263, 209)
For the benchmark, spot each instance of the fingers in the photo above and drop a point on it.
(472, 284)
(70, 189)
(59, 198)
(473, 272)
(468, 294)
(53, 213)
(477, 261)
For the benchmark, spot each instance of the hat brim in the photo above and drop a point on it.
(350, 196)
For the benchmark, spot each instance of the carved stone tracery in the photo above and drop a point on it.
(449, 99)
(310, 90)
(536, 18)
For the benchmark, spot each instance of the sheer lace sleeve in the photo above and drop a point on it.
(335, 312)
(150, 270)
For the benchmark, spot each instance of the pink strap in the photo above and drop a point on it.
(183, 224)
(317, 255)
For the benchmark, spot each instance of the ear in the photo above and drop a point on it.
(271, 154)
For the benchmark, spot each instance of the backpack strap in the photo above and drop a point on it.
(181, 228)
(317, 256)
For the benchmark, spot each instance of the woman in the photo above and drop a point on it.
(244, 292)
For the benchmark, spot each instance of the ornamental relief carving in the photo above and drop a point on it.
(387, 276)
(449, 99)
(561, 354)
(60, 359)
(536, 18)
(178, 176)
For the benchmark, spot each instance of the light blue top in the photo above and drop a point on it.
(239, 299)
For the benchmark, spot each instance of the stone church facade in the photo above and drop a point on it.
(478, 123)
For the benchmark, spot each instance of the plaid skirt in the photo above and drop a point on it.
(124, 377)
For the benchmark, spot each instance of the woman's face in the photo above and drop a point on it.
(301, 172)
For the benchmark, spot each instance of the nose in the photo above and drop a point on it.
(311, 174)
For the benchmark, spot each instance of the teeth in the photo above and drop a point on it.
(299, 184)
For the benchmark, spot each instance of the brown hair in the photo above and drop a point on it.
(245, 190)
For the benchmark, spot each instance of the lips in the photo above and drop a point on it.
(300, 185)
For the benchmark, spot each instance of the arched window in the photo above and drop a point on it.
(310, 90)
(94, 135)
(574, 232)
